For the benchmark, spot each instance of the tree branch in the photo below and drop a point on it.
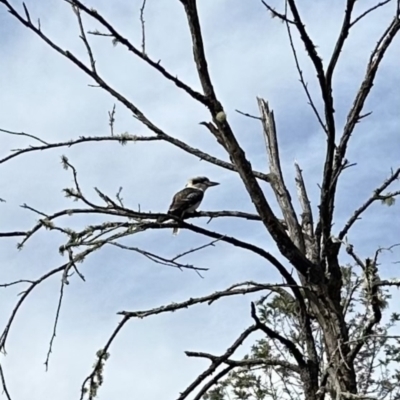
(227, 139)
(292, 348)
(213, 381)
(277, 183)
(252, 287)
(372, 67)
(344, 33)
(217, 362)
(369, 10)
(248, 362)
(102, 355)
(373, 295)
(141, 54)
(325, 203)
(375, 196)
(137, 113)
(198, 49)
(3, 383)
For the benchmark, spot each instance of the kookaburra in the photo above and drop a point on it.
(188, 199)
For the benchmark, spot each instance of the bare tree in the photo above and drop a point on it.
(324, 331)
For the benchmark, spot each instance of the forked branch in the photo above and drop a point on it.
(277, 182)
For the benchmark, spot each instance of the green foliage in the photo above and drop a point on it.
(377, 364)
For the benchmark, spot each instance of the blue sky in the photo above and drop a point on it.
(248, 52)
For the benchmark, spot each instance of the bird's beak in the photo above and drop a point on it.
(213, 184)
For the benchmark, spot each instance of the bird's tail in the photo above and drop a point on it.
(162, 219)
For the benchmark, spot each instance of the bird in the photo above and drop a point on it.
(188, 199)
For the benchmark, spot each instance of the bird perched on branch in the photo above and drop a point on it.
(188, 199)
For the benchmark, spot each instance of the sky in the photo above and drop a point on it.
(248, 53)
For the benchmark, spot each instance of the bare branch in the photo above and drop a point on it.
(139, 115)
(25, 294)
(291, 252)
(198, 49)
(80, 256)
(302, 81)
(101, 355)
(350, 251)
(24, 134)
(3, 383)
(53, 336)
(142, 55)
(292, 348)
(326, 92)
(369, 10)
(84, 39)
(392, 282)
(77, 193)
(254, 287)
(248, 362)
(248, 115)
(316, 349)
(111, 118)
(158, 259)
(276, 14)
(365, 88)
(376, 195)
(12, 234)
(213, 381)
(278, 184)
(142, 22)
(316, 60)
(344, 33)
(191, 251)
(217, 362)
(125, 138)
(122, 139)
(15, 283)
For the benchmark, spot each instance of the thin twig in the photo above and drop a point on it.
(247, 362)
(344, 33)
(199, 300)
(365, 13)
(101, 356)
(375, 196)
(365, 88)
(156, 258)
(248, 115)
(216, 363)
(25, 294)
(302, 81)
(276, 14)
(213, 381)
(84, 39)
(111, 120)
(185, 253)
(3, 383)
(142, 22)
(125, 42)
(291, 347)
(53, 335)
(24, 134)
(15, 283)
